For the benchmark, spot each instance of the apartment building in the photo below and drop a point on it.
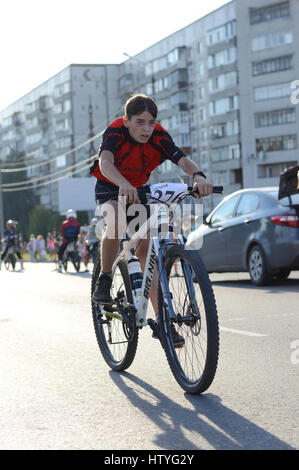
(60, 115)
(268, 58)
(223, 86)
(193, 76)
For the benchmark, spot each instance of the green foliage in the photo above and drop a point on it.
(42, 220)
(17, 204)
(82, 217)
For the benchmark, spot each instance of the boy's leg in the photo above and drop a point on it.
(115, 221)
(60, 255)
(141, 253)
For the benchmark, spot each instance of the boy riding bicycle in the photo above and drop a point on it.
(132, 147)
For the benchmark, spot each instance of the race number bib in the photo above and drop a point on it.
(167, 192)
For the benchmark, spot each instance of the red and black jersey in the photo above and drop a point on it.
(133, 160)
(70, 229)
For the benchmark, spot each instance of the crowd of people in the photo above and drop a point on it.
(50, 249)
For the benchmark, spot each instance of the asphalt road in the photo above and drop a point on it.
(57, 393)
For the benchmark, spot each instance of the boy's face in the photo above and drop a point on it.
(140, 126)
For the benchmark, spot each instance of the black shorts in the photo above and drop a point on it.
(103, 187)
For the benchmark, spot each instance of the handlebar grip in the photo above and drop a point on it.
(218, 189)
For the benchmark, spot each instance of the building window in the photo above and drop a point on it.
(224, 57)
(223, 81)
(225, 129)
(33, 138)
(184, 140)
(62, 125)
(200, 47)
(220, 177)
(62, 89)
(277, 143)
(224, 105)
(62, 143)
(221, 33)
(272, 65)
(201, 69)
(126, 80)
(10, 135)
(60, 161)
(220, 154)
(273, 170)
(269, 13)
(177, 98)
(203, 136)
(274, 39)
(234, 152)
(270, 92)
(7, 121)
(201, 92)
(202, 114)
(178, 78)
(275, 118)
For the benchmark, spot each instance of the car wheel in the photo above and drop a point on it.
(257, 266)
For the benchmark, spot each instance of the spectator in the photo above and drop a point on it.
(32, 248)
(41, 247)
(50, 246)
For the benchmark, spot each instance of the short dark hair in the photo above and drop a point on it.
(139, 103)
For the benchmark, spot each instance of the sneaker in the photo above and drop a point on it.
(177, 339)
(101, 294)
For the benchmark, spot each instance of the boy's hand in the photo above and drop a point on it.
(129, 192)
(202, 187)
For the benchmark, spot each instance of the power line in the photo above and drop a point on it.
(54, 158)
(45, 182)
(33, 180)
(23, 160)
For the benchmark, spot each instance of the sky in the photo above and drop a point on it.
(41, 37)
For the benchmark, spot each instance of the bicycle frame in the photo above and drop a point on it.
(156, 250)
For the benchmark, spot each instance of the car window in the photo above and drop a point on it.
(225, 211)
(248, 203)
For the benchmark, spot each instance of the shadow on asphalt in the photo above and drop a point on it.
(218, 425)
(276, 287)
(84, 274)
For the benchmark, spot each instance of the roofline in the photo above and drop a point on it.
(181, 29)
(50, 78)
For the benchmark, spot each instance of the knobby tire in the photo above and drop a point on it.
(201, 336)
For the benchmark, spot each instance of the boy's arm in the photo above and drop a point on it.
(110, 172)
(189, 167)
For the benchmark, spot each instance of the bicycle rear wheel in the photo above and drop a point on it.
(76, 261)
(116, 339)
(193, 365)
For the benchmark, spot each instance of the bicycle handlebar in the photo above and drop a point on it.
(216, 189)
(146, 189)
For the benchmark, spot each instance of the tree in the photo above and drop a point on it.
(42, 220)
(17, 204)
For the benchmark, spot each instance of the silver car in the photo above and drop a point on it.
(251, 230)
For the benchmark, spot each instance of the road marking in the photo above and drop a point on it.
(241, 332)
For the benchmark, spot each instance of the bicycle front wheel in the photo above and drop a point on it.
(116, 339)
(194, 364)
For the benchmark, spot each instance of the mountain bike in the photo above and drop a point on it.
(71, 253)
(10, 258)
(185, 297)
